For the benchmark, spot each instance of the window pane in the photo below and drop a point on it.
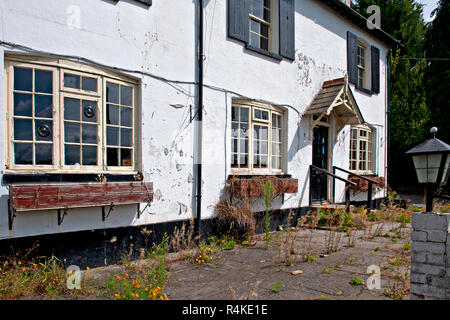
(125, 137)
(43, 130)
(265, 30)
(244, 114)
(23, 105)
(254, 26)
(71, 109)
(234, 145)
(112, 157)
(234, 160)
(234, 130)
(263, 161)
(23, 153)
(72, 155)
(89, 111)
(266, 15)
(256, 162)
(264, 148)
(234, 114)
(256, 132)
(89, 84)
(71, 132)
(43, 154)
(243, 158)
(43, 106)
(126, 117)
(112, 136)
(257, 10)
(89, 133)
(23, 129)
(254, 40)
(126, 95)
(276, 163)
(264, 43)
(112, 114)
(125, 157)
(23, 79)
(112, 92)
(43, 81)
(244, 146)
(257, 114)
(244, 131)
(264, 133)
(71, 81)
(256, 147)
(276, 150)
(89, 154)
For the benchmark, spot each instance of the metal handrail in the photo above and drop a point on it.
(333, 175)
(356, 175)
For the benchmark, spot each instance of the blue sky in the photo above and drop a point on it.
(429, 5)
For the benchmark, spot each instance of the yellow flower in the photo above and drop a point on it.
(19, 263)
(87, 268)
(117, 295)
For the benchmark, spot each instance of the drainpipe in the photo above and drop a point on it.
(387, 144)
(198, 121)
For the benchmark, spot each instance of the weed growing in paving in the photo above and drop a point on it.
(357, 281)
(276, 287)
(138, 283)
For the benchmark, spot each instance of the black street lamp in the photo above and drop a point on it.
(431, 161)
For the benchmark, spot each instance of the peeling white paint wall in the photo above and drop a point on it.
(161, 40)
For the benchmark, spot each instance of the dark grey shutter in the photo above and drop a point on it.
(238, 21)
(375, 54)
(287, 29)
(352, 58)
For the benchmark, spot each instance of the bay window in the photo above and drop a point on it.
(66, 117)
(257, 139)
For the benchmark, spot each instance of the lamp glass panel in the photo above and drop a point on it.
(427, 167)
(446, 172)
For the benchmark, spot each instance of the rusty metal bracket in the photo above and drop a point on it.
(111, 208)
(61, 217)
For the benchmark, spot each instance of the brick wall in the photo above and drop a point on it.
(430, 261)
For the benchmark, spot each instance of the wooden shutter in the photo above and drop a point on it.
(352, 58)
(287, 29)
(238, 20)
(375, 54)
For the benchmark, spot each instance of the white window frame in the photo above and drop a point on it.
(252, 122)
(261, 21)
(369, 139)
(59, 92)
(361, 66)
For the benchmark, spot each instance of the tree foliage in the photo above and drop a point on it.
(409, 113)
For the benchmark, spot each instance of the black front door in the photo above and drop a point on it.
(319, 180)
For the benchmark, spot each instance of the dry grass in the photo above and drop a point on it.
(183, 238)
(236, 221)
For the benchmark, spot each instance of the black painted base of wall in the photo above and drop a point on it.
(109, 246)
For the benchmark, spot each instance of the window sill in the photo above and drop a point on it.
(9, 178)
(367, 91)
(264, 52)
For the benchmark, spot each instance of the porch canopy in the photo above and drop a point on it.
(335, 97)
